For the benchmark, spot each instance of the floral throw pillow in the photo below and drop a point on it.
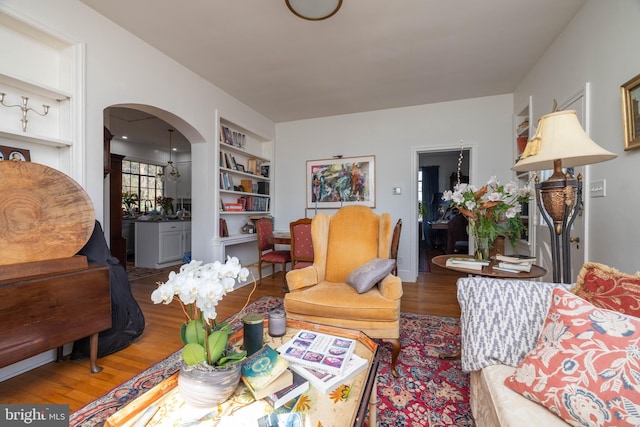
(586, 365)
(606, 287)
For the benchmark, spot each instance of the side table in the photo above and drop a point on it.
(488, 271)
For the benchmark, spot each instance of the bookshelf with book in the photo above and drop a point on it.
(244, 160)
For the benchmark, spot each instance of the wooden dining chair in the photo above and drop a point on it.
(301, 243)
(395, 242)
(266, 249)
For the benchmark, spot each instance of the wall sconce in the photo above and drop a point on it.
(25, 109)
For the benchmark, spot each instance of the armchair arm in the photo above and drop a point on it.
(302, 278)
(391, 287)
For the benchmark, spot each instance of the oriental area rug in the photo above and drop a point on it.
(428, 391)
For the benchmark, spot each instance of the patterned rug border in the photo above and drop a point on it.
(428, 391)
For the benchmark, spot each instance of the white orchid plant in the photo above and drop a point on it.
(493, 210)
(199, 288)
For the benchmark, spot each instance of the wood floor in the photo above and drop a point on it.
(71, 383)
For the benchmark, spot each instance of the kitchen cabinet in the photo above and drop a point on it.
(161, 243)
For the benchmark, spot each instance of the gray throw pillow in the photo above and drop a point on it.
(365, 277)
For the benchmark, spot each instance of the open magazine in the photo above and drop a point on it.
(326, 382)
(322, 352)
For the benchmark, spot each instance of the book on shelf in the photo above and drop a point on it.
(322, 352)
(516, 258)
(300, 385)
(524, 266)
(326, 382)
(265, 372)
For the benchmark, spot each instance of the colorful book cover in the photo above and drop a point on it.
(326, 382)
(322, 352)
(262, 368)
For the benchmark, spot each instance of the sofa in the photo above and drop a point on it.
(549, 354)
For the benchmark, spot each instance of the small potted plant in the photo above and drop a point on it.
(210, 370)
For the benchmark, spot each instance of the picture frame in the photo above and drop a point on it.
(15, 154)
(630, 94)
(333, 183)
(240, 168)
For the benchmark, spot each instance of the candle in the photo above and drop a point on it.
(277, 322)
(253, 330)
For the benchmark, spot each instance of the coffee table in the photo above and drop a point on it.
(322, 410)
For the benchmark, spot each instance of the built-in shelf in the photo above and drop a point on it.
(39, 89)
(35, 139)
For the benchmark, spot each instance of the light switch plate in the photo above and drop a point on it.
(397, 191)
(598, 188)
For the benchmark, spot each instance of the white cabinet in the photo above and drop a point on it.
(161, 243)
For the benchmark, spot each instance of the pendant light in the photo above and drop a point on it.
(171, 173)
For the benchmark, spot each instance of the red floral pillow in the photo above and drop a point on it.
(585, 367)
(606, 287)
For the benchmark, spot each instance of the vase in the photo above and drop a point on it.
(481, 252)
(205, 386)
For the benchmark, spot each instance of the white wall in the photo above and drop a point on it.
(599, 46)
(122, 70)
(394, 136)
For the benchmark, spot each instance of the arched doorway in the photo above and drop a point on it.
(141, 136)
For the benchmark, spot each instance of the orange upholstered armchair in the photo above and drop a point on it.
(345, 245)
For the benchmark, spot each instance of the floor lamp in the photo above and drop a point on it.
(560, 142)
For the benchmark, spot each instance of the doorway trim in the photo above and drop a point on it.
(416, 151)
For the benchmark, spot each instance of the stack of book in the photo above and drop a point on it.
(515, 263)
(267, 375)
(466, 262)
(326, 361)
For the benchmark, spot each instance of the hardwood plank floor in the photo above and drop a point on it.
(71, 383)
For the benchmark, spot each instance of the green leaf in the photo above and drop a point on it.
(232, 358)
(193, 332)
(216, 344)
(193, 354)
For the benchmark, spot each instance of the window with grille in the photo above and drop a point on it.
(142, 179)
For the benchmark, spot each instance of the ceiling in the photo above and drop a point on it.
(371, 55)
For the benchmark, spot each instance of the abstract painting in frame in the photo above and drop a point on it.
(337, 182)
(630, 92)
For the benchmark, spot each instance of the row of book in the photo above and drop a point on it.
(254, 166)
(309, 359)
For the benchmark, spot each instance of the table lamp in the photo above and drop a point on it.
(560, 142)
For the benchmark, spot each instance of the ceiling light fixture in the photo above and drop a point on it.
(170, 173)
(314, 10)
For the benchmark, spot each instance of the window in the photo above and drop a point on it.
(142, 179)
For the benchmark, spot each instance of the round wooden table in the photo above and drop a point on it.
(488, 271)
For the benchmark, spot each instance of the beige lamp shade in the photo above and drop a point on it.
(560, 137)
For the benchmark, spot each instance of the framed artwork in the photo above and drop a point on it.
(630, 92)
(337, 182)
(15, 154)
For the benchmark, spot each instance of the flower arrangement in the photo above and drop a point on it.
(166, 203)
(493, 210)
(199, 288)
